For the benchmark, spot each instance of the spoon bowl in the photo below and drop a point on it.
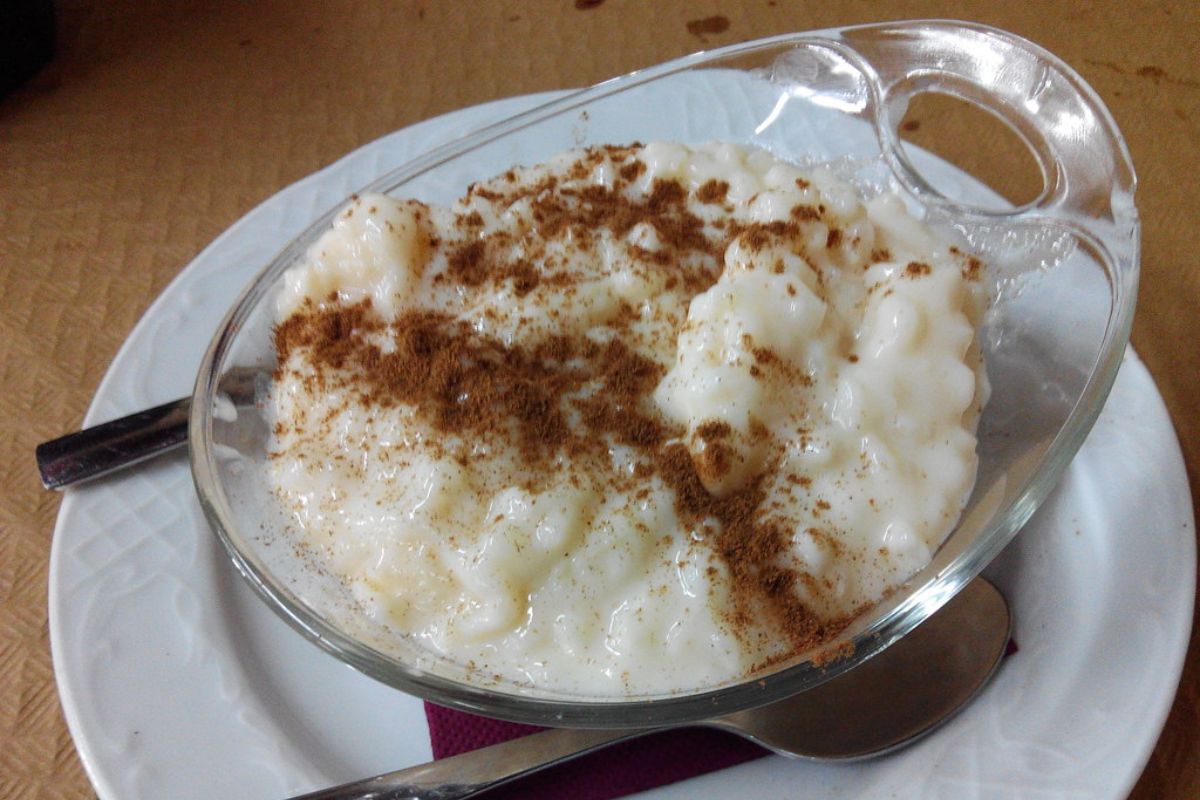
(899, 695)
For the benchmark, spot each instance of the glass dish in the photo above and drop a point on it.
(1063, 278)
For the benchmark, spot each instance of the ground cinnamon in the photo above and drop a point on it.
(570, 397)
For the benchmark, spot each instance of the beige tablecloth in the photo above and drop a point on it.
(159, 124)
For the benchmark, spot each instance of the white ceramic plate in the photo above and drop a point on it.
(177, 682)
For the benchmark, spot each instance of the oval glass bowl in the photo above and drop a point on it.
(1062, 270)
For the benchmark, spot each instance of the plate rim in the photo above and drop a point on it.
(483, 114)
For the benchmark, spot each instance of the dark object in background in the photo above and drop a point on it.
(26, 40)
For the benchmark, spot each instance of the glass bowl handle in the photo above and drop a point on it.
(1088, 175)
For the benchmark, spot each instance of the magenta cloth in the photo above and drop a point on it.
(616, 771)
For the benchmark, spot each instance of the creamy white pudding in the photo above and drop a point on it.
(638, 420)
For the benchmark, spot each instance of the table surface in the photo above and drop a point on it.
(158, 125)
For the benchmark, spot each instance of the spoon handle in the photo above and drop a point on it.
(104, 448)
(467, 774)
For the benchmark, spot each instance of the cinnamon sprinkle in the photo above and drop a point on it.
(751, 548)
(570, 397)
(465, 383)
(713, 192)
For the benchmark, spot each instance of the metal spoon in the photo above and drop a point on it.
(890, 700)
(110, 446)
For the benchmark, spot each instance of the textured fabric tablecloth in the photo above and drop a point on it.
(157, 125)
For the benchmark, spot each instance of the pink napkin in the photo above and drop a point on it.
(616, 771)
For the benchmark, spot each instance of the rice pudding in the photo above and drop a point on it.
(634, 421)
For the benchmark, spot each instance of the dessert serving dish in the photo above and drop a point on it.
(1061, 283)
